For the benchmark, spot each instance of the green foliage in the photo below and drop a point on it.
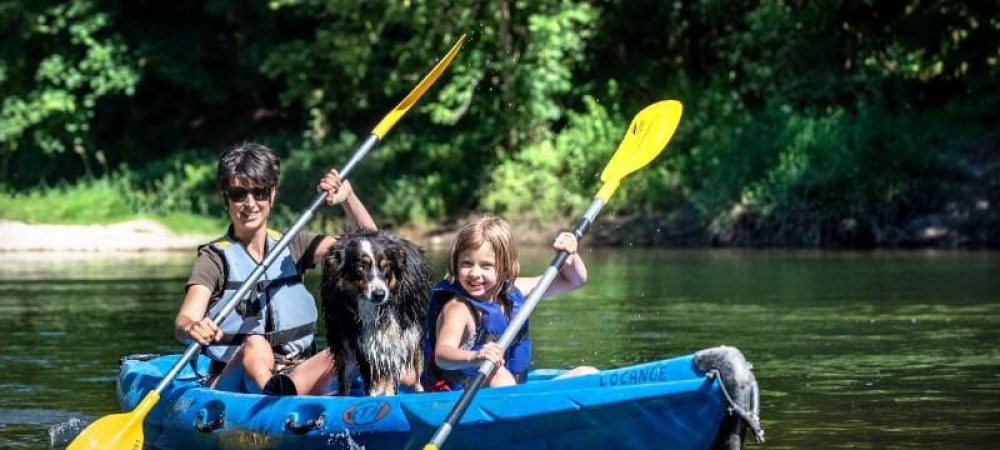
(502, 94)
(556, 178)
(801, 113)
(50, 96)
(183, 183)
(557, 42)
(802, 174)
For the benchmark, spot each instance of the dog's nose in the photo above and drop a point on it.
(378, 295)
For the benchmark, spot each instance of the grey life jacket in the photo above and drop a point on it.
(279, 308)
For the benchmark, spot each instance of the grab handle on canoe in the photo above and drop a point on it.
(292, 423)
(202, 424)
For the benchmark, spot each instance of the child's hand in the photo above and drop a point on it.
(204, 331)
(565, 241)
(336, 190)
(491, 352)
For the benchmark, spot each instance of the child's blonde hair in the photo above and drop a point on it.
(496, 231)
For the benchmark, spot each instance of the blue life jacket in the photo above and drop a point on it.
(280, 308)
(491, 323)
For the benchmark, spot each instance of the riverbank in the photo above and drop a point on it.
(145, 235)
(131, 236)
(674, 230)
(965, 221)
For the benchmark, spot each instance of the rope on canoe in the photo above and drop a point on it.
(752, 418)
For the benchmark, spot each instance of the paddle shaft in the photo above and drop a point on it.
(272, 254)
(486, 368)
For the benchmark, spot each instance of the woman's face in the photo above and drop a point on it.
(248, 212)
(477, 272)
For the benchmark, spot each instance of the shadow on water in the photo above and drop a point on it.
(861, 350)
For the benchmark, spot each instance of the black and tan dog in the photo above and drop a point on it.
(374, 289)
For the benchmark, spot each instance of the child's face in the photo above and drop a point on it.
(477, 272)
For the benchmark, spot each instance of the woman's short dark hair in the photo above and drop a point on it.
(250, 162)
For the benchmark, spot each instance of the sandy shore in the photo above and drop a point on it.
(143, 235)
(131, 236)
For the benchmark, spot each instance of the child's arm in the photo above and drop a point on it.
(452, 324)
(572, 275)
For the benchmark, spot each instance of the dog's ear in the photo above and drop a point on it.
(399, 253)
(334, 260)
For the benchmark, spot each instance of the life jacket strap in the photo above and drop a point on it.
(275, 338)
(232, 285)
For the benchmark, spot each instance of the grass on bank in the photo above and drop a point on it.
(100, 201)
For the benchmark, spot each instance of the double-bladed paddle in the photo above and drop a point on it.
(124, 431)
(646, 137)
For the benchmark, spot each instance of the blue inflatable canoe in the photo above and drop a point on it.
(668, 404)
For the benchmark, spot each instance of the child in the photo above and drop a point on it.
(471, 308)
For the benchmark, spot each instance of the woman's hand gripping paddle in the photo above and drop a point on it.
(646, 137)
(124, 431)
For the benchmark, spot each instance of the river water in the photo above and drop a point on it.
(852, 350)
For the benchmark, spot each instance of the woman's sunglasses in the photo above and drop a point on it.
(238, 194)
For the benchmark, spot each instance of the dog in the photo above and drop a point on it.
(374, 293)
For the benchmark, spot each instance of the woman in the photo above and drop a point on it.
(261, 345)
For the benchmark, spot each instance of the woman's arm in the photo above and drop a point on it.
(357, 214)
(341, 192)
(356, 211)
(191, 322)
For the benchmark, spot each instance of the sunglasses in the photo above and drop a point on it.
(238, 194)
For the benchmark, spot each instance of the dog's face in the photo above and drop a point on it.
(368, 268)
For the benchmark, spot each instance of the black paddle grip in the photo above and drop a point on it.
(578, 230)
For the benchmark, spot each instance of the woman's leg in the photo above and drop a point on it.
(248, 369)
(258, 360)
(231, 377)
(314, 375)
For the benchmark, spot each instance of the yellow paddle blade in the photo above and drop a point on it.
(390, 119)
(646, 137)
(117, 431)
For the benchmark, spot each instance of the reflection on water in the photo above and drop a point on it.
(862, 350)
